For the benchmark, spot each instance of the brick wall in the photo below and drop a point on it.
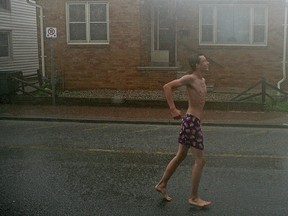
(115, 66)
(233, 67)
(100, 66)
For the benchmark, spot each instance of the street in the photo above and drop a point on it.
(72, 168)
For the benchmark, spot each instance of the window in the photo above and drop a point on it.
(162, 34)
(161, 28)
(5, 4)
(233, 25)
(5, 44)
(87, 23)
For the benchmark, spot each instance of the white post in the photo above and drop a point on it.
(41, 36)
(284, 48)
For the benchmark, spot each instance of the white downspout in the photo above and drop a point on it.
(284, 48)
(41, 36)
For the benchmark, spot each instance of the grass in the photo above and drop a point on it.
(278, 106)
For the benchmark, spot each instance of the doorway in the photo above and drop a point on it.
(163, 34)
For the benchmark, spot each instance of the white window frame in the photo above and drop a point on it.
(157, 55)
(251, 26)
(88, 40)
(9, 34)
(8, 8)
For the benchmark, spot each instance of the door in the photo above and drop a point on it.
(163, 34)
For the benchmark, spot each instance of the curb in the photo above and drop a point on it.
(151, 122)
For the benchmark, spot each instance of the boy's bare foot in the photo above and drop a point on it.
(198, 202)
(163, 192)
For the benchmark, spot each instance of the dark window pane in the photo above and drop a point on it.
(4, 51)
(259, 34)
(207, 33)
(259, 25)
(98, 13)
(4, 44)
(156, 29)
(98, 31)
(4, 39)
(4, 4)
(164, 40)
(163, 18)
(77, 13)
(78, 31)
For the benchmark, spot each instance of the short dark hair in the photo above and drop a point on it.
(193, 60)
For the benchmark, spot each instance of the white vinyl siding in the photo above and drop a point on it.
(20, 22)
(233, 24)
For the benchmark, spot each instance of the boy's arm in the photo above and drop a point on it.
(168, 91)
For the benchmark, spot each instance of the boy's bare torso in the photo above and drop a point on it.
(196, 96)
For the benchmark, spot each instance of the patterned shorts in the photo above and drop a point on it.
(191, 132)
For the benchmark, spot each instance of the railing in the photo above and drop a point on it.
(263, 93)
(34, 81)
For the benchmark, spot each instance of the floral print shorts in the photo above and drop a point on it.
(191, 132)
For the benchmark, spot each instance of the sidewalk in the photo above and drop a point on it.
(138, 115)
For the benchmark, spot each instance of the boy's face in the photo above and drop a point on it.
(203, 64)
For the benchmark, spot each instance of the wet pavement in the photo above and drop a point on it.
(73, 171)
(110, 168)
(49, 182)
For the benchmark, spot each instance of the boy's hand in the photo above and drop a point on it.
(176, 114)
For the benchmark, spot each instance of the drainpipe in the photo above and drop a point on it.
(284, 48)
(41, 36)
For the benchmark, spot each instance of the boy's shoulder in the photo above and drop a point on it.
(190, 76)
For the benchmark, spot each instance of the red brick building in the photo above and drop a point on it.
(141, 44)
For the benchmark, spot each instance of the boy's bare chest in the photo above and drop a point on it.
(198, 86)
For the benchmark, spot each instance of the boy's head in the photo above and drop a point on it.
(193, 60)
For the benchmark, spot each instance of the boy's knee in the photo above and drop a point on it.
(180, 157)
(200, 162)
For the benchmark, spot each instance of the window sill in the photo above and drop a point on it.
(233, 45)
(88, 45)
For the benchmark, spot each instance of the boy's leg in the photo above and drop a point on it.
(199, 164)
(170, 169)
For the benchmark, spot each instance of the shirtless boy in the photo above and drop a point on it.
(191, 133)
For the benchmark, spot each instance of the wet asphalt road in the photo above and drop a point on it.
(58, 168)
